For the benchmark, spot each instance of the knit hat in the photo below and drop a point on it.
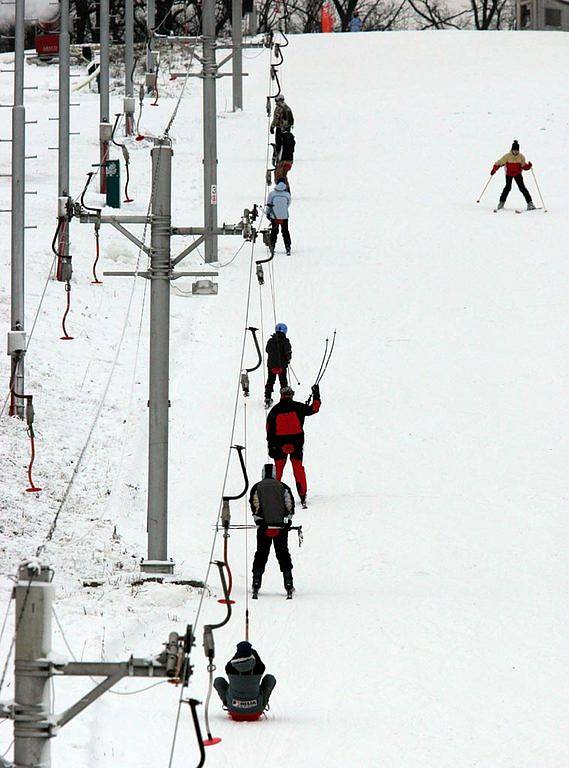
(244, 649)
(515, 145)
(268, 471)
(280, 97)
(287, 392)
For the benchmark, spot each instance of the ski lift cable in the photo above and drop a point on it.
(224, 483)
(93, 680)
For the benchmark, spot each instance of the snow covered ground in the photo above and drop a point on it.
(429, 628)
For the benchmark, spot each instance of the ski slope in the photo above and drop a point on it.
(429, 627)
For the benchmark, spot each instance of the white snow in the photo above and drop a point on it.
(429, 627)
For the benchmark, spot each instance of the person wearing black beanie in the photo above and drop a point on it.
(515, 163)
(246, 695)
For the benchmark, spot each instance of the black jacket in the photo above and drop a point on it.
(279, 351)
(271, 501)
(287, 149)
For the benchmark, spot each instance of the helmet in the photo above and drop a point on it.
(280, 97)
(268, 472)
(281, 328)
(287, 392)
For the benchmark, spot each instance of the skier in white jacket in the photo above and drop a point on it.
(278, 204)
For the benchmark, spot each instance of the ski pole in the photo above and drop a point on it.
(484, 190)
(294, 374)
(539, 190)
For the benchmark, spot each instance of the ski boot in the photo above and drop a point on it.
(531, 206)
(303, 503)
(256, 585)
(268, 402)
(500, 205)
(287, 251)
(288, 585)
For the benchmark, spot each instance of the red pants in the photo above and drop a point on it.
(298, 471)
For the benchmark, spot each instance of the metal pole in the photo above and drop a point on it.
(63, 142)
(158, 401)
(209, 130)
(129, 103)
(150, 24)
(34, 599)
(237, 60)
(104, 107)
(18, 208)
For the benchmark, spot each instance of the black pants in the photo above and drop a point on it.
(522, 187)
(264, 547)
(278, 141)
(271, 378)
(275, 232)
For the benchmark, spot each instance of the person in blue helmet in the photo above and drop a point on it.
(279, 353)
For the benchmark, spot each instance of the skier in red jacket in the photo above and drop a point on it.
(285, 434)
(515, 163)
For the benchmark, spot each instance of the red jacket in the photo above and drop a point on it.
(515, 164)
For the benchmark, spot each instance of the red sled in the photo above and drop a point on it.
(243, 717)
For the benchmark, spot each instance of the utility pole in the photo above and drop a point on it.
(64, 261)
(161, 273)
(34, 722)
(34, 599)
(150, 57)
(209, 130)
(17, 339)
(237, 39)
(105, 128)
(129, 103)
(158, 401)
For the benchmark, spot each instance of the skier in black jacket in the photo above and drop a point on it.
(285, 434)
(272, 505)
(279, 353)
(245, 696)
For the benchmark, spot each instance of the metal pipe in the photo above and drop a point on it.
(34, 600)
(63, 124)
(237, 35)
(129, 103)
(104, 105)
(209, 130)
(18, 208)
(150, 24)
(158, 402)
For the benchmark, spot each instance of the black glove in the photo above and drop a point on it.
(272, 129)
(316, 391)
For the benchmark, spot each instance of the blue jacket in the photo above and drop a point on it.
(355, 24)
(278, 202)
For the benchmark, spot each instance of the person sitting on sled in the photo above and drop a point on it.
(246, 695)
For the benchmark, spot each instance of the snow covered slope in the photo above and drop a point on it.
(429, 628)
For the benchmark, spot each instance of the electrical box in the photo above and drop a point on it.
(129, 105)
(113, 183)
(16, 342)
(105, 132)
(204, 288)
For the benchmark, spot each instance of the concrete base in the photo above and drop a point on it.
(157, 566)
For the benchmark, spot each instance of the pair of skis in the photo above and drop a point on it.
(519, 210)
(289, 594)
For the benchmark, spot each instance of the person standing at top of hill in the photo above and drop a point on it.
(355, 24)
(515, 163)
(283, 120)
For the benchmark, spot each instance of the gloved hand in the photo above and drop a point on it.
(493, 171)
(316, 391)
(530, 164)
(272, 129)
(287, 522)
